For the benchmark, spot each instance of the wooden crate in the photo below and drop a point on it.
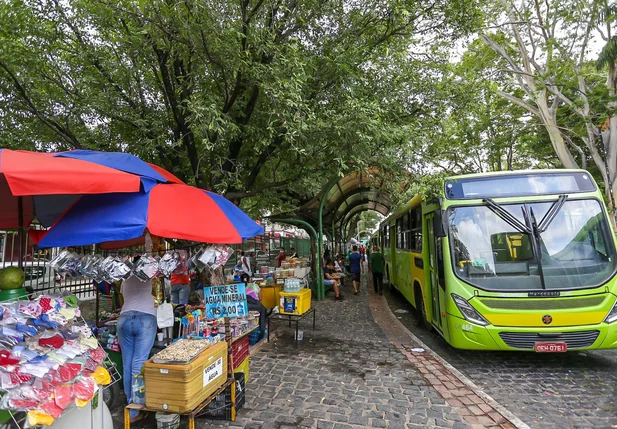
(179, 388)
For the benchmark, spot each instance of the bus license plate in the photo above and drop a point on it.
(551, 347)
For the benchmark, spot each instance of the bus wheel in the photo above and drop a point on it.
(421, 318)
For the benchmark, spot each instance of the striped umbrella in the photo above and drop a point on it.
(44, 185)
(168, 210)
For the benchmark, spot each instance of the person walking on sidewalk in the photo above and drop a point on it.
(355, 260)
(375, 265)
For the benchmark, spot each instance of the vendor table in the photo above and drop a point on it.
(291, 318)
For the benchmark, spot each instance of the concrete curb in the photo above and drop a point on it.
(462, 378)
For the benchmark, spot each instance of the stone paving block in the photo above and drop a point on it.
(378, 423)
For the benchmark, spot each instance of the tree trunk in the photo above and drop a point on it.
(548, 117)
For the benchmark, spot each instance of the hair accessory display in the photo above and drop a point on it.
(49, 360)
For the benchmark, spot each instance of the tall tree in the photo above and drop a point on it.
(545, 47)
(252, 98)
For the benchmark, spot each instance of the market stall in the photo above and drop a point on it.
(209, 345)
(212, 336)
(284, 292)
(52, 368)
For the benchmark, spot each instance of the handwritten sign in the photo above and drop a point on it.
(225, 301)
(212, 372)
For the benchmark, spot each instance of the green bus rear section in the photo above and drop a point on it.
(515, 319)
(404, 262)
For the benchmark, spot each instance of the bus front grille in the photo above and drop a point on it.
(527, 340)
(543, 303)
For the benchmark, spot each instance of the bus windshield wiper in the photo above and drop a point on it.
(506, 216)
(532, 223)
(530, 227)
(551, 213)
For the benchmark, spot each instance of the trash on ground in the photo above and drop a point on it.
(401, 311)
(417, 350)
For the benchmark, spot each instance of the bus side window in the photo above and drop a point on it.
(440, 262)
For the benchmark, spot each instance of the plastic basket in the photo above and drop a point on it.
(244, 368)
(239, 351)
(254, 337)
(220, 407)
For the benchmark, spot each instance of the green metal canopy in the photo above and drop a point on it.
(356, 192)
(339, 200)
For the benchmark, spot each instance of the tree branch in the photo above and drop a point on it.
(63, 131)
(519, 102)
(237, 195)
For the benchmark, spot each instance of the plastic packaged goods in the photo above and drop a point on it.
(50, 362)
(169, 262)
(59, 259)
(138, 388)
(146, 268)
(119, 269)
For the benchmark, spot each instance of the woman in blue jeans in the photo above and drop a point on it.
(136, 332)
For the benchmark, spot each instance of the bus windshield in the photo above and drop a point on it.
(492, 254)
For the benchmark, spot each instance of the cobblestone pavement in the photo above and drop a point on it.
(573, 390)
(344, 375)
(350, 373)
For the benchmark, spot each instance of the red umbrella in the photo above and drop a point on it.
(168, 210)
(44, 185)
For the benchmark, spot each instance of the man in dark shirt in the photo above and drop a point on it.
(375, 265)
(355, 260)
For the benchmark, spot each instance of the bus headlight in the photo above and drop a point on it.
(612, 315)
(468, 312)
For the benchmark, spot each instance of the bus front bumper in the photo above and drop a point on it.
(469, 336)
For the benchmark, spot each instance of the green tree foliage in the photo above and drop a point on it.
(259, 99)
(546, 48)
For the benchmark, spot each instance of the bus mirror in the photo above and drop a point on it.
(438, 227)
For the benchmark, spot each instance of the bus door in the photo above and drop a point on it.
(393, 274)
(435, 245)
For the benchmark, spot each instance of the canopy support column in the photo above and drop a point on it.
(326, 190)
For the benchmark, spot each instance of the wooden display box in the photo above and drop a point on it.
(179, 388)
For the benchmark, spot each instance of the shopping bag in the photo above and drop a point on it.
(165, 315)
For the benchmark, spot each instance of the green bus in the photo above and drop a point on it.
(519, 260)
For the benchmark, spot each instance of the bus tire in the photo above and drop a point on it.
(421, 319)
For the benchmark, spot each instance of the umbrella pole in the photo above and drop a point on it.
(20, 213)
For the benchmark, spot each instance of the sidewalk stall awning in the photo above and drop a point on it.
(42, 186)
(169, 210)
